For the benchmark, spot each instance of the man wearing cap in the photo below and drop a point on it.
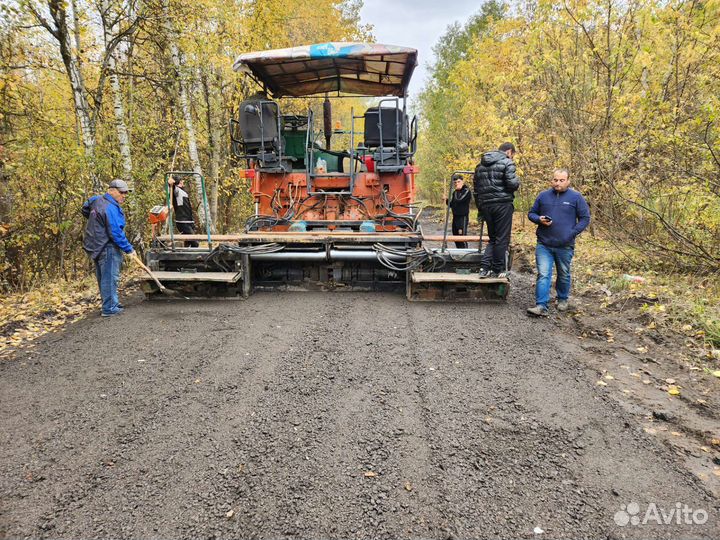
(105, 242)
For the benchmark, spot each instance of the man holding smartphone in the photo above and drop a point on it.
(561, 214)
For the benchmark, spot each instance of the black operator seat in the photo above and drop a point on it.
(392, 133)
(389, 144)
(259, 124)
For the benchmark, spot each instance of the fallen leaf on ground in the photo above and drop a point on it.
(674, 391)
(230, 514)
(601, 383)
(370, 474)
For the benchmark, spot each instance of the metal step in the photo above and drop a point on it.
(453, 277)
(214, 277)
(454, 287)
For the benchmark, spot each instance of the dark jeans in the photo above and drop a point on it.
(498, 218)
(107, 272)
(460, 228)
(188, 228)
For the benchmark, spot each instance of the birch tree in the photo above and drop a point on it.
(55, 22)
(177, 59)
(111, 15)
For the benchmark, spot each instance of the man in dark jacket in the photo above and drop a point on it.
(182, 209)
(561, 214)
(495, 185)
(105, 242)
(460, 207)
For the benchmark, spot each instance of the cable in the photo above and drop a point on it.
(215, 256)
(420, 257)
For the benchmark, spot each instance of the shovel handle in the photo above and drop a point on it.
(135, 258)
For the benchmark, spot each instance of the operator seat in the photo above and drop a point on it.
(259, 127)
(386, 132)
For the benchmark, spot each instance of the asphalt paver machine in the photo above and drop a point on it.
(325, 218)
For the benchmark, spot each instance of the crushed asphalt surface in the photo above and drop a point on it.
(317, 415)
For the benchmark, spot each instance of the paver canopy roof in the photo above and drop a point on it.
(367, 69)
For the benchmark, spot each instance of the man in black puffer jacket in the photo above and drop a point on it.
(495, 185)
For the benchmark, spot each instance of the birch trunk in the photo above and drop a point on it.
(71, 60)
(120, 126)
(118, 106)
(177, 61)
(211, 87)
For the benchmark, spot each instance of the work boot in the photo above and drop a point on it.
(563, 305)
(538, 311)
(484, 272)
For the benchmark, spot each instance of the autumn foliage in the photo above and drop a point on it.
(90, 91)
(624, 94)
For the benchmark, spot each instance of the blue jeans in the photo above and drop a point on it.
(107, 272)
(545, 258)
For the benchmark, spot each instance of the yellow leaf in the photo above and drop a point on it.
(674, 391)
(717, 373)
(370, 474)
(601, 383)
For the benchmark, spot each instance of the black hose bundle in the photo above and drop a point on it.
(413, 259)
(215, 256)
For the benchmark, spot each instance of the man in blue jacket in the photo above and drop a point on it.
(561, 214)
(105, 242)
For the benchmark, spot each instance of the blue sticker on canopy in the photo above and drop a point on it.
(332, 50)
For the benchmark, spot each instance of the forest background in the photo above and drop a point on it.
(626, 94)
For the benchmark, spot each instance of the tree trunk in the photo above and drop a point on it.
(71, 60)
(177, 61)
(215, 136)
(118, 106)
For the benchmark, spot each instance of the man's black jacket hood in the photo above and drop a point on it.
(495, 180)
(492, 157)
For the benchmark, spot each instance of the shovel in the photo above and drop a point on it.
(163, 289)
